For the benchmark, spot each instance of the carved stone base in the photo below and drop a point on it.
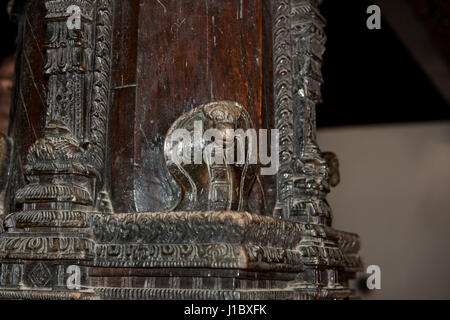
(176, 255)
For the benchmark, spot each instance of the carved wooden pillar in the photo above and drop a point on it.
(97, 206)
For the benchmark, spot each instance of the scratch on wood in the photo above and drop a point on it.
(207, 46)
(240, 10)
(34, 37)
(26, 114)
(165, 9)
(126, 86)
(143, 133)
(212, 92)
(33, 80)
(214, 31)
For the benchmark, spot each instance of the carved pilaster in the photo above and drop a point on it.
(306, 173)
(65, 167)
(101, 83)
(299, 43)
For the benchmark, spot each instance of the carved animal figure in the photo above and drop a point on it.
(215, 185)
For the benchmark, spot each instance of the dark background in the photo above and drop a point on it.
(370, 77)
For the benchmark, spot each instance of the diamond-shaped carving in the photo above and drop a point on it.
(40, 276)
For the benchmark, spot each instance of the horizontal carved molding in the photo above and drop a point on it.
(195, 294)
(198, 256)
(45, 295)
(51, 218)
(184, 239)
(37, 192)
(46, 247)
(165, 294)
(169, 255)
(201, 227)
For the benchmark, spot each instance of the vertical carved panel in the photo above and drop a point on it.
(65, 167)
(69, 61)
(283, 79)
(102, 75)
(299, 43)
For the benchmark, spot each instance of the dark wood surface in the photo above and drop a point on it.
(27, 113)
(168, 59)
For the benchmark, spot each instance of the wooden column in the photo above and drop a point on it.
(95, 205)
